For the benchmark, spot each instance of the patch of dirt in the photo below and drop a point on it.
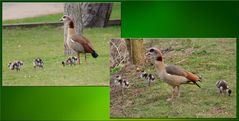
(25, 10)
(215, 111)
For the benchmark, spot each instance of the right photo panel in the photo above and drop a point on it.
(173, 78)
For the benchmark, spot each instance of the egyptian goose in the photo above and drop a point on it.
(38, 62)
(171, 74)
(16, 65)
(78, 43)
(223, 87)
(147, 77)
(121, 82)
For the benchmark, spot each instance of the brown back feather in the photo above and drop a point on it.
(192, 77)
(174, 70)
(88, 41)
(84, 42)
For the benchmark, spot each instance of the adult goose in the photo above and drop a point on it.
(171, 74)
(78, 43)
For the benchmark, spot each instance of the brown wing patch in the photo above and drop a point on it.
(87, 41)
(192, 76)
(84, 42)
(87, 48)
(174, 70)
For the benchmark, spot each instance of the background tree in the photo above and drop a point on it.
(86, 15)
(96, 14)
(136, 50)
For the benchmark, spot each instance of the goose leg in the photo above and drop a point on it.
(178, 92)
(85, 58)
(173, 93)
(78, 58)
(149, 82)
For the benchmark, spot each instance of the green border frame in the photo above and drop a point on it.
(14, 99)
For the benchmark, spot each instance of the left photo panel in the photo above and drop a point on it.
(58, 44)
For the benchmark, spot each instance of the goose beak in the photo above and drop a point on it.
(148, 53)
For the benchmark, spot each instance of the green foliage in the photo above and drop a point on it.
(201, 52)
(116, 11)
(179, 49)
(47, 43)
(116, 69)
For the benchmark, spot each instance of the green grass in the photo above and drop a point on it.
(213, 59)
(116, 14)
(39, 19)
(116, 11)
(47, 43)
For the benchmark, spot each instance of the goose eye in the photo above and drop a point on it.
(151, 50)
(64, 16)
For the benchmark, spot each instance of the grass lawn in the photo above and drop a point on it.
(45, 18)
(116, 14)
(47, 43)
(116, 11)
(212, 59)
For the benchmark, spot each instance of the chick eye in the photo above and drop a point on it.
(151, 50)
(64, 16)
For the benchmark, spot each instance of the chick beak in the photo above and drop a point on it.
(138, 69)
(148, 54)
(61, 19)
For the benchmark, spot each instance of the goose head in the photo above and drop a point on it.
(155, 53)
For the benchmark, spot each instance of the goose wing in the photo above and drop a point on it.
(175, 70)
(84, 42)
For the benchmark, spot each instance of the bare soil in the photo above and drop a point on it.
(25, 10)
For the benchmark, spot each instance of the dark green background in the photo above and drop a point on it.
(180, 19)
(139, 19)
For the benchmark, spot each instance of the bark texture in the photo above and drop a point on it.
(96, 14)
(136, 51)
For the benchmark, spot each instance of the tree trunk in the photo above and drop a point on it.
(136, 50)
(74, 11)
(96, 14)
(128, 44)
